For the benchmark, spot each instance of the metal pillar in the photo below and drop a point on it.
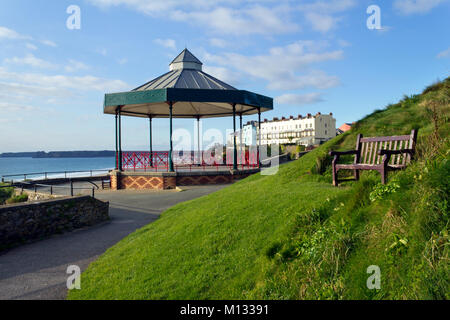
(241, 152)
(199, 155)
(171, 143)
(259, 136)
(151, 142)
(117, 145)
(120, 139)
(234, 138)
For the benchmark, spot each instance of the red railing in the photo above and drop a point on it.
(159, 161)
(137, 160)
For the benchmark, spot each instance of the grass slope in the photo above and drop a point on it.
(293, 236)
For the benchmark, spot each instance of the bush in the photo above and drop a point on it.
(5, 193)
(381, 190)
(300, 148)
(17, 199)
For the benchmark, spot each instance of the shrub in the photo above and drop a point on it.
(5, 193)
(381, 190)
(17, 199)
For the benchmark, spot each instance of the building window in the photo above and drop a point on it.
(326, 132)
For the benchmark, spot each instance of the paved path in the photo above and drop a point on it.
(38, 270)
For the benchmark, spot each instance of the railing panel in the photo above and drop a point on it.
(159, 161)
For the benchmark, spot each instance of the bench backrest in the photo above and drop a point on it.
(369, 148)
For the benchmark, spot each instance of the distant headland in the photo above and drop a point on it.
(59, 154)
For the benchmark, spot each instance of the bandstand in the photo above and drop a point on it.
(183, 92)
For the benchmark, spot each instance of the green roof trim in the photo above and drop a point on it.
(188, 95)
(135, 97)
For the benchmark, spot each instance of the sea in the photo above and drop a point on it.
(37, 166)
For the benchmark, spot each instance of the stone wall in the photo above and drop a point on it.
(26, 222)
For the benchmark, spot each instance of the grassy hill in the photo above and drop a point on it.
(293, 236)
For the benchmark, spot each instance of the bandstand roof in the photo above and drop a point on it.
(193, 92)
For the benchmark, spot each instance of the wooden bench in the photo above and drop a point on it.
(377, 153)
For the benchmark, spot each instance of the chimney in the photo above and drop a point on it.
(291, 117)
(331, 113)
(308, 115)
(265, 120)
(283, 118)
(299, 116)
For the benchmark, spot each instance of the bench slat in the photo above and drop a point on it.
(390, 148)
(395, 148)
(375, 156)
(393, 138)
(366, 152)
(404, 156)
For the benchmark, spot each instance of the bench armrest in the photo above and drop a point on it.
(392, 152)
(343, 153)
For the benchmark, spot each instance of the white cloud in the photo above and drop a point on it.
(122, 61)
(32, 61)
(408, 7)
(223, 74)
(284, 67)
(243, 21)
(24, 92)
(321, 14)
(444, 54)
(159, 6)
(223, 16)
(12, 107)
(321, 22)
(343, 43)
(316, 79)
(74, 66)
(299, 99)
(102, 51)
(167, 43)
(329, 6)
(6, 33)
(84, 83)
(220, 43)
(31, 46)
(49, 43)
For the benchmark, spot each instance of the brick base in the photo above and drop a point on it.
(201, 180)
(161, 180)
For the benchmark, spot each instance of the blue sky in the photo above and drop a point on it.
(309, 55)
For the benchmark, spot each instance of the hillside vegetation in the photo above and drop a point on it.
(293, 235)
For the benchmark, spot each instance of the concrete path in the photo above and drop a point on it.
(38, 270)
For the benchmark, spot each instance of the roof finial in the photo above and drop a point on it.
(186, 60)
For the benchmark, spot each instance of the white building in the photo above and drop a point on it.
(309, 130)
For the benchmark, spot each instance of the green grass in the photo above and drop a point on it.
(5, 193)
(293, 236)
(17, 199)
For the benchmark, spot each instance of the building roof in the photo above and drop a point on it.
(346, 127)
(185, 79)
(185, 73)
(186, 56)
(299, 117)
(194, 92)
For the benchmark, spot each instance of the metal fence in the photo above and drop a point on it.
(49, 174)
